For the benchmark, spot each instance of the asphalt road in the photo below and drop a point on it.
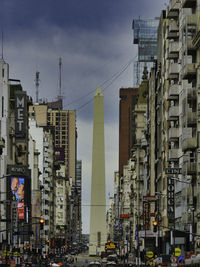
(83, 260)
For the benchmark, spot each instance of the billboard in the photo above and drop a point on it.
(60, 154)
(17, 187)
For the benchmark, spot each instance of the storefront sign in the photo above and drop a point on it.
(170, 201)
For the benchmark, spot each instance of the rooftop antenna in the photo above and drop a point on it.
(37, 80)
(2, 44)
(60, 65)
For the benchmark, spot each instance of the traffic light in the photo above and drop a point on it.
(155, 226)
(41, 224)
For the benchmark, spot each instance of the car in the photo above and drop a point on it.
(112, 258)
(111, 264)
(94, 264)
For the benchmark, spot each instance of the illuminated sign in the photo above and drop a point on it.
(17, 187)
(170, 200)
(146, 215)
(20, 114)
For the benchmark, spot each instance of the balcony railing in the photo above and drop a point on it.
(173, 91)
(189, 70)
(173, 9)
(189, 168)
(190, 118)
(173, 113)
(189, 144)
(173, 71)
(173, 154)
(173, 27)
(173, 50)
(173, 133)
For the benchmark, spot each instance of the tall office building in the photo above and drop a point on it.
(128, 99)
(145, 35)
(65, 135)
(98, 194)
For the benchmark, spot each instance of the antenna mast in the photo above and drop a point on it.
(2, 44)
(37, 80)
(60, 66)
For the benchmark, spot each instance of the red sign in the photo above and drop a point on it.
(125, 215)
(20, 209)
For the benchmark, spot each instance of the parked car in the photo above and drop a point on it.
(94, 264)
(112, 258)
(111, 264)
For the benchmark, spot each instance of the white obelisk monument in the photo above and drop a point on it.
(98, 195)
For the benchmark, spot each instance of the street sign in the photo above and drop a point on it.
(23, 233)
(159, 260)
(172, 170)
(149, 254)
(16, 254)
(173, 259)
(177, 252)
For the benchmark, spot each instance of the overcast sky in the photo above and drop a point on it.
(95, 41)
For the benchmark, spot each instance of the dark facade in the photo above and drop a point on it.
(128, 99)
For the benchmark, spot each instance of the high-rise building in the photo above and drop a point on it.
(128, 99)
(64, 122)
(145, 36)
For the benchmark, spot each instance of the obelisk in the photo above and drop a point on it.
(98, 195)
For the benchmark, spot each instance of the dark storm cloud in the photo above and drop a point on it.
(81, 14)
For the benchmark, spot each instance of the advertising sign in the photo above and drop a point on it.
(60, 154)
(170, 201)
(20, 114)
(146, 215)
(17, 186)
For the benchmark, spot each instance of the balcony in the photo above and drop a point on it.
(189, 70)
(45, 207)
(191, 19)
(191, 93)
(189, 3)
(189, 168)
(189, 144)
(173, 9)
(173, 113)
(173, 50)
(173, 154)
(189, 119)
(45, 164)
(173, 133)
(173, 92)
(172, 35)
(173, 71)
(173, 27)
(45, 175)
